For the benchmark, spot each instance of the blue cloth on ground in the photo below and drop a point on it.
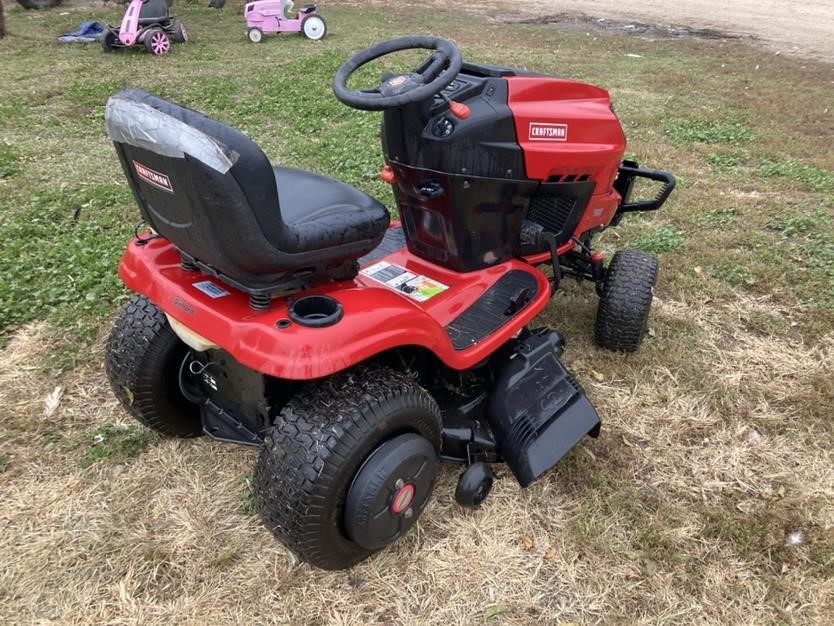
(88, 32)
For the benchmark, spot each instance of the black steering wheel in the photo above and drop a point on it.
(429, 79)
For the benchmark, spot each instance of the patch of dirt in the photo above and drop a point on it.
(801, 28)
(575, 21)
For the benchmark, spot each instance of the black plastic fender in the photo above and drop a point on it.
(537, 411)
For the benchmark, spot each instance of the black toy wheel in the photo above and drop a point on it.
(626, 300)
(349, 465)
(143, 362)
(39, 4)
(108, 41)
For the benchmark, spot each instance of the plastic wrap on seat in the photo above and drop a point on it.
(140, 125)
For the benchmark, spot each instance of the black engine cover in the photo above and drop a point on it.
(537, 411)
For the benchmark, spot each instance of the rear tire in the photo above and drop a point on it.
(316, 447)
(142, 362)
(314, 27)
(157, 42)
(39, 4)
(623, 313)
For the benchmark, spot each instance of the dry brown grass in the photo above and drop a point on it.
(679, 513)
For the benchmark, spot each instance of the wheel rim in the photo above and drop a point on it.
(314, 28)
(390, 491)
(160, 44)
(255, 35)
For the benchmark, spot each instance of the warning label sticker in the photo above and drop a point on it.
(211, 290)
(415, 286)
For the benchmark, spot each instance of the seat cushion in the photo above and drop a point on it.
(321, 212)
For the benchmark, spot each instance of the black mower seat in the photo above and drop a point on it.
(322, 211)
(210, 191)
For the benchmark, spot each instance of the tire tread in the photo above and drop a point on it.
(319, 440)
(623, 313)
(139, 344)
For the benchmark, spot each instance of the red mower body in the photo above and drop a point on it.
(559, 137)
(569, 132)
(376, 318)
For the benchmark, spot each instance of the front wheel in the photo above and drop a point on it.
(256, 35)
(314, 27)
(108, 41)
(627, 293)
(143, 361)
(349, 465)
(178, 32)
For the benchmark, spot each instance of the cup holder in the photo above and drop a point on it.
(316, 311)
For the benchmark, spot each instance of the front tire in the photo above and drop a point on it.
(626, 300)
(143, 362)
(314, 27)
(255, 35)
(108, 41)
(332, 442)
(178, 32)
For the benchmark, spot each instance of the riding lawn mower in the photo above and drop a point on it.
(282, 309)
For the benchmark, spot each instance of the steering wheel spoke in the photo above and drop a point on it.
(437, 73)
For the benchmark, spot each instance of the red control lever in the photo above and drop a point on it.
(460, 110)
(387, 175)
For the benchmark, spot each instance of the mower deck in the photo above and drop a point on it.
(396, 300)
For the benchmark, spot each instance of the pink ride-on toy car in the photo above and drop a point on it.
(147, 22)
(273, 16)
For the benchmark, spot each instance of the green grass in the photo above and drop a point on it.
(59, 253)
(113, 444)
(792, 224)
(9, 161)
(247, 500)
(721, 217)
(813, 177)
(702, 130)
(661, 240)
(724, 161)
(67, 212)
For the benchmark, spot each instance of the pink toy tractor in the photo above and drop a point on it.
(148, 23)
(273, 16)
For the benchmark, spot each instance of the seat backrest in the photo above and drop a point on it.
(200, 184)
(153, 11)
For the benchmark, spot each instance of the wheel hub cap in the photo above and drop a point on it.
(390, 490)
(403, 499)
